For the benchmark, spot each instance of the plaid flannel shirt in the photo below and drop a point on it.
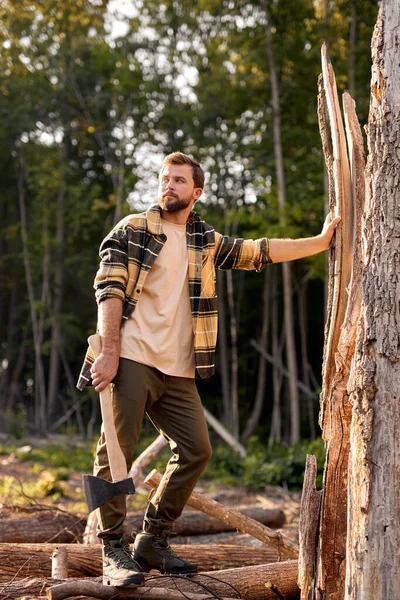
(131, 248)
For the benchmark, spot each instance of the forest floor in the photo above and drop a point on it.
(19, 481)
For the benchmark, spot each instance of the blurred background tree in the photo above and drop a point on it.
(92, 97)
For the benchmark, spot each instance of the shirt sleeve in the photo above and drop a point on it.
(112, 277)
(237, 253)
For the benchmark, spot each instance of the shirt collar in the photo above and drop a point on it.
(154, 219)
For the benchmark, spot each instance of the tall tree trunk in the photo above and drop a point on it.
(223, 350)
(352, 49)
(304, 355)
(40, 388)
(254, 418)
(373, 567)
(286, 267)
(234, 400)
(56, 332)
(277, 375)
(6, 369)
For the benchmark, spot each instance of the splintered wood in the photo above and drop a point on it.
(326, 545)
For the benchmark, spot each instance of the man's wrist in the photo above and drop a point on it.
(110, 348)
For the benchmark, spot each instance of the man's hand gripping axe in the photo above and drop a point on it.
(97, 490)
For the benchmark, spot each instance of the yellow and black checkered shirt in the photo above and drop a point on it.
(131, 248)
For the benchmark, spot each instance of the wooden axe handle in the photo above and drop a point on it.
(116, 458)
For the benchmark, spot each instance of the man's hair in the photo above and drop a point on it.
(178, 158)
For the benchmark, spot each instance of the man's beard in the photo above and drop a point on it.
(172, 203)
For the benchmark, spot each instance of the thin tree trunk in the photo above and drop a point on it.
(352, 49)
(234, 398)
(56, 332)
(286, 267)
(5, 371)
(223, 350)
(13, 390)
(119, 188)
(277, 376)
(304, 356)
(255, 415)
(40, 390)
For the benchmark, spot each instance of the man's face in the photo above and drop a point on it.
(176, 189)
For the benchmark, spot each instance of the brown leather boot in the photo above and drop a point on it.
(153, 551)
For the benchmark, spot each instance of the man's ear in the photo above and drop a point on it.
(197, 193)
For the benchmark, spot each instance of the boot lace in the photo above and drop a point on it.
(122, 556)
(164, 545)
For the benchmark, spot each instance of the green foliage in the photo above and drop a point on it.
(263, 466)
(69, 458)
(16, 421)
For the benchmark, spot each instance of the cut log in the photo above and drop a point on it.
(248, 583)
(196, 523)
(33, 526)
(235, 519)
(34, 560)
(59, 563)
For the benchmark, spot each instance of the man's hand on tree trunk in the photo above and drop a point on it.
(328, 229)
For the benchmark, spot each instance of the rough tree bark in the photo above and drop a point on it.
(373, 566)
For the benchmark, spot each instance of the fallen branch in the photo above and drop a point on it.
(235, 519)
(97, 590)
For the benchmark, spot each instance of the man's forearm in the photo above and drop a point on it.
(110, 315)
(282, 250)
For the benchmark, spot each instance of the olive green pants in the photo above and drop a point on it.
(174, 406)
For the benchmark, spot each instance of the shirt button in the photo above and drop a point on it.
(138, 291)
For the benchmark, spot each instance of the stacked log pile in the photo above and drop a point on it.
(41, 555)
(41, 524)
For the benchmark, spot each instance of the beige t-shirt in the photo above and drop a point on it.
(159, 333)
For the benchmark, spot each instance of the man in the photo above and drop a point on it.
(157, 318)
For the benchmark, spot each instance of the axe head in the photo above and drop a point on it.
(98, 491)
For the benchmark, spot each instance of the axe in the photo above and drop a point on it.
(97, 490)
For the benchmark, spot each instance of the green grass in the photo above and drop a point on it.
(51, 466)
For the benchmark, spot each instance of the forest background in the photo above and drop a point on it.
(93, 94)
